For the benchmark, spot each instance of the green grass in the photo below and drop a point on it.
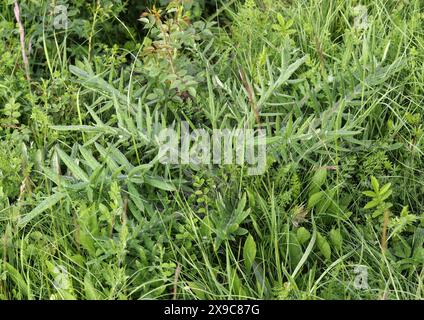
(87, 211)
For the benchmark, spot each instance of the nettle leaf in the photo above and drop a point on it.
(249, 252)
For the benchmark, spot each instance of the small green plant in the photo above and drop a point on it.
(378, 198)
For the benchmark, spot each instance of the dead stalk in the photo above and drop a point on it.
(22, 39)
(177, 274)
(384, 231)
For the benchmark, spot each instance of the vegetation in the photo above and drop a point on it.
(87, 210)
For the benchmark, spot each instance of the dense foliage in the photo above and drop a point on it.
(87, 211)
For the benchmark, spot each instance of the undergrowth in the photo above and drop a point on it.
(88, 211)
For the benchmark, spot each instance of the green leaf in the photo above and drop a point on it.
(336, 239)
(372, 204)
(295, 250)
(385, 195)
(106, 154)
(308, 250)
(96, 174)
(249, 252)
(418, 241)
(303, 235)
(323, 246)
(119, 157)
(43, 206)
(375, 184)
(72, 166)
(314, 199)
(370, 194)
(198, 290)
(83, 128)
(192, 91)
(90, 291)
(137, 200)
(318, 180)
(385, 188)
(159, 183)
(16, 277)
(241, 205)
(89, 158)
